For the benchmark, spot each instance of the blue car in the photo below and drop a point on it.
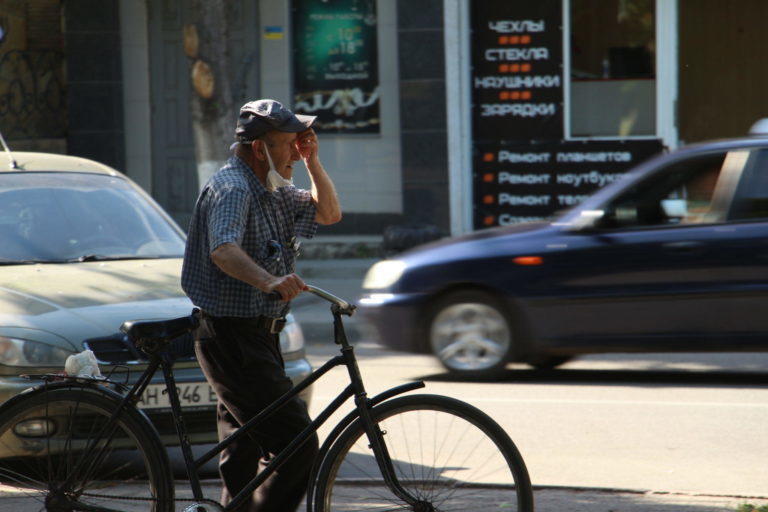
(673, 257)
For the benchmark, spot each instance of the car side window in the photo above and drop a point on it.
(683, 193)
(751, 199)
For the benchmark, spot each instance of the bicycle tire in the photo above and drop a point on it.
(481, 468)
(49, 436)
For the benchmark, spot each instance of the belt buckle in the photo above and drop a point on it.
(276, 326)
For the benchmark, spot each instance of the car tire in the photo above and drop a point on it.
(470, 333)
(549, 362)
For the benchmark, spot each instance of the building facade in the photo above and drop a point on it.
(459, 114)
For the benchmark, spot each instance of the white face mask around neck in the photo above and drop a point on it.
(274, 179)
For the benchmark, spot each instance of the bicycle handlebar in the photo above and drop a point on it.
(344, 306)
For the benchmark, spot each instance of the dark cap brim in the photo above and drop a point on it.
(298, 123)
(259, 117)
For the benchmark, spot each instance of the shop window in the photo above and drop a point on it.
(613, 61)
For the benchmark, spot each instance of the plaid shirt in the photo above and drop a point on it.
(234, 207)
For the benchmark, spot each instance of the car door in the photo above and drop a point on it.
(743, 252)
(654, 272)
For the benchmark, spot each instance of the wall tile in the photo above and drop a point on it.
(422, 55)
(427, 205)
(425, 157)
(422, 105)
(420, 14)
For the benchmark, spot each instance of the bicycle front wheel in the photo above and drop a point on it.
(58, 453)
(446, 454)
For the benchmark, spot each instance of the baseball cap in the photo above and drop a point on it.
(258, 117)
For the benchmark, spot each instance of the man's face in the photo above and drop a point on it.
(282, 149)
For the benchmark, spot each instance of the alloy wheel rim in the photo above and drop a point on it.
(470, 336)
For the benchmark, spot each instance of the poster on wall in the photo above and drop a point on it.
(531, 182)
(335, 64)
(517, 71)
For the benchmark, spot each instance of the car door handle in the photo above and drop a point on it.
(683, 246)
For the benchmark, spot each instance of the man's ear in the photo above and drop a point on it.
(257, 149)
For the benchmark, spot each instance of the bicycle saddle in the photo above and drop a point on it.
(160, 331)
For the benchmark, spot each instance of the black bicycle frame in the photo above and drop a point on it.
(356, 388)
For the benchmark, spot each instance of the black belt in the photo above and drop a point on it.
(273, 325)
(269, 324)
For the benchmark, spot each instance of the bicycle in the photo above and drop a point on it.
(81, 444)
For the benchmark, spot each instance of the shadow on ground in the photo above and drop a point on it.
(607, 377)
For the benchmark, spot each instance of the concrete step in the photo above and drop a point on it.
(349, 268)
(341, 246)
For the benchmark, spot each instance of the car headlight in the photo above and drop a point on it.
(18, 352)
(383, 274)
(291, 337)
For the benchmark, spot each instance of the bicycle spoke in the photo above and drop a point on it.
(388, 497)
(445, 453)
(37, 496)
(67, 465)
(83, 462)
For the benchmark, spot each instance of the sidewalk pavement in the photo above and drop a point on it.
(341, 277)
(546, 499)
(555, 499)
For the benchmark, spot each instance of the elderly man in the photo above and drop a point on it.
(241, 248)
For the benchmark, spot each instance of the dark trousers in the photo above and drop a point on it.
(244, 366)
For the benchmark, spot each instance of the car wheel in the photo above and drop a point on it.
(549, 362)
(470, 333)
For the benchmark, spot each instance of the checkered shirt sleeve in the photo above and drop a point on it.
(227, 216)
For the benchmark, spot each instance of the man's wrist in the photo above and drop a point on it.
(268, 283)
(312, 161)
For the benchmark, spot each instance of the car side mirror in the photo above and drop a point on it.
(588, 220)
(674, 208)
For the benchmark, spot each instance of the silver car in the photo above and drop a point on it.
(82, 249)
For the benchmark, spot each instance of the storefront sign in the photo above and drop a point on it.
(335, 64)
(517, 72)
(530, 182)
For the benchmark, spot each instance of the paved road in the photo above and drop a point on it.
(690, 425)
(606, 433)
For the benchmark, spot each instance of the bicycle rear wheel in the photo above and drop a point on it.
(56, 454)
(448, 454)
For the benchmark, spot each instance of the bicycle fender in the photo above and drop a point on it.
(41, 388)
(342, 426)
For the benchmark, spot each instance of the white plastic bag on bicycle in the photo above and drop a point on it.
(83, 364)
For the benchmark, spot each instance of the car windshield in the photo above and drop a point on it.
(57, 217)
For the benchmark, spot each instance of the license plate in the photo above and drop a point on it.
(191, 394)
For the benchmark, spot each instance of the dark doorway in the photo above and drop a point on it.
(174, 172)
